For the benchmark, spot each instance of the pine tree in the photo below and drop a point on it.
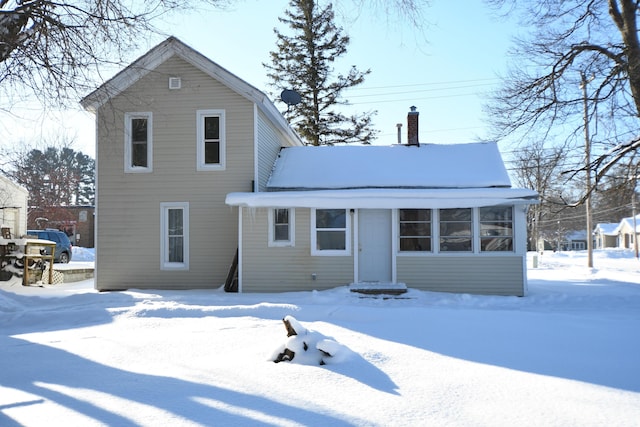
(55, 176)
(303, 62)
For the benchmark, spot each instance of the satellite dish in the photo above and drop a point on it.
(290, 97)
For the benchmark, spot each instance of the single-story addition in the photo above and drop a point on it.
(431, 217)
(605, 235)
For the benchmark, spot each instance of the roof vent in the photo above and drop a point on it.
(175, 83)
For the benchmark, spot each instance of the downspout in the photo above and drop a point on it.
(240, 249)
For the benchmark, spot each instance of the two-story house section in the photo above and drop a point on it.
(175, 133)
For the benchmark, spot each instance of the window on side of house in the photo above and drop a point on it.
(174, 238)
(211, 139)
(330, 232)
(415, 230)
(138, 142)
(456, 233)
(281, 227)
(496, 229)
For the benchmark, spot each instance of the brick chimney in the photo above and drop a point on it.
(412, 127)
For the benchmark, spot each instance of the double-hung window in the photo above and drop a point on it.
(174, 236)
(281, 227)
(211, 140)
(330, 232)
(496, 228)
(415, 230)
(456, 232)
(138, 142)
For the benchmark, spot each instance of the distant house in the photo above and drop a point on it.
(176, 133)
(78, 222)
(13, 207)
(627, 231)
(575, 241)
(605, 235)
(432, 217)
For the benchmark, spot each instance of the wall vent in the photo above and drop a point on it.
(175, 83)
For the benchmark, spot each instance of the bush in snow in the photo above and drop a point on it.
(308, 347)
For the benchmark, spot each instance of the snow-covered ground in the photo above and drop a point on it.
(568, 354)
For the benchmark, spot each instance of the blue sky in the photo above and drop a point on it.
(445, 70)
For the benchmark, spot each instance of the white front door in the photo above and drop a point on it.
(374, 245)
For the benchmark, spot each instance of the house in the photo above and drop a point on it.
(605, 235)
(575, 241)
(627, 231)
(13, 207)
(175, 134)
(431, 217)
(78, 222)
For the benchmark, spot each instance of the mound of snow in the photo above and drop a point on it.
(308, 347)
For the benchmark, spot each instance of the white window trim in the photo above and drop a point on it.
(478, 225)
(200, 165)
(164, 237)
(475, 224)
(314, 237)
(292, 227)
(127, 142)
(431, 225)
(474, 233)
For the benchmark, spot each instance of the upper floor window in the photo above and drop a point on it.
(330, 232)
(415, 230)
(456, 233)
(496, 228)
(211, 140)
(138, 142)
(174, 236)
(281, 227)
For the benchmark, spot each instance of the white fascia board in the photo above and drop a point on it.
(385, 199)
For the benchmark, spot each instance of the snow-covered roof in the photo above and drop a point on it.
(577, 235)
(430, 176)
(475, 165)
(629, 222)
(607, 228)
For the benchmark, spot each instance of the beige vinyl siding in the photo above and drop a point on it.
(268, 149)
(491, 275)
(282, 269)
(128, 220)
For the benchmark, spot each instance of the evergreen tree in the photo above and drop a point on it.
(55, 176)
(303, 62)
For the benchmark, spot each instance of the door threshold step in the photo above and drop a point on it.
(378, 288)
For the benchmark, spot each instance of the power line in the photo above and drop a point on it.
(425, 84)
(418, 91)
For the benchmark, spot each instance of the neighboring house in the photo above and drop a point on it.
(78, 222)
(432, 217)
(13, 207)
(605, 235)
(627, 231)
(175, 134)
(575, 241)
